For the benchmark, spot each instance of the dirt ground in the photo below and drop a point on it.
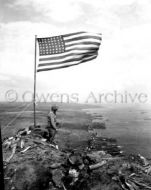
(72, 118)
(43, 167)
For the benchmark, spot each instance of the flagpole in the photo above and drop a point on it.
(34, 98)
(1, 162)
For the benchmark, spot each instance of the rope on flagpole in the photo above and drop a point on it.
(34, 97)
(17, 116)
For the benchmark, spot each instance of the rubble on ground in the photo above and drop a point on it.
(97, 123)
(31, 162)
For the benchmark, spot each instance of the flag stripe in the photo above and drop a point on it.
(83, 37)
(83, 49)
(65, 55)
(82, 44)
(71, 34)
(86, 47)
(71, 61)
(68, 59)
(67, 65)
(90, 40)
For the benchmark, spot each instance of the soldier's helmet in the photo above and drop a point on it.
(54, 108)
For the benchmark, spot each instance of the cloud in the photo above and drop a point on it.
(97, 15)
(59, 11)
(115, 12)
(65, 11)
(124, 57)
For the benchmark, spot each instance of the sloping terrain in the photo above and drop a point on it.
(80, 160)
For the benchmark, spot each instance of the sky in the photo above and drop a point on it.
(124, 59)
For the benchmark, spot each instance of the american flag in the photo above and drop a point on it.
(67, 50)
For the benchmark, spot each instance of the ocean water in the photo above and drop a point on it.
(129, 124)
